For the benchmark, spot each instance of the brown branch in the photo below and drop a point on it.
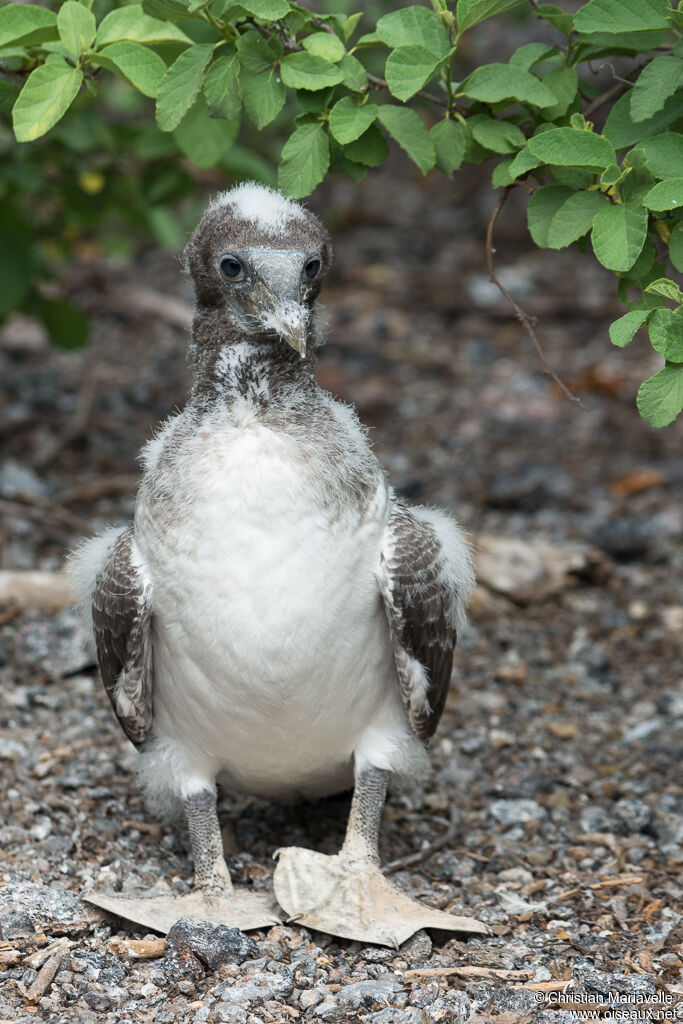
(610, 94)
(524, 318)
(415, 858)
(381, 83)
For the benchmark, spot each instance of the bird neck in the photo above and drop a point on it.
(229, 364)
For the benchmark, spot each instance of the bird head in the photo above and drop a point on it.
(262, 257)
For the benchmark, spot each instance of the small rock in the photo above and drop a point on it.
(417, 948)
(512, 812)
(624, 538)
(411, 1015)
(310, 998)
(259, 987)
(213, 944)
(365, 993)
(594, 818)
(633, 815)
(329, 1010)
(516, 876)
(15, 478)
(98, 1001)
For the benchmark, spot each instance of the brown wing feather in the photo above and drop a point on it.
(121, 615)
(419, 606)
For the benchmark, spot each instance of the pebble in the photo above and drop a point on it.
(258, 988)
(365, 993)
(213, 944)
(512, 812)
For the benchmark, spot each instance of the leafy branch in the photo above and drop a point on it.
(339, 97)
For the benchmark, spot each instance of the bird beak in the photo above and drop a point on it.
(295, 336)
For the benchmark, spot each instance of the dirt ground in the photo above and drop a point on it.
(555, 811)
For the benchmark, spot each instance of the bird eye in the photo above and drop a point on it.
(311, 268)
(231, 267)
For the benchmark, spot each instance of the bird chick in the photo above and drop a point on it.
(274, 618)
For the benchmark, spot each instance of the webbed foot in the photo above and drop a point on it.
(236, 908)
(350, 897)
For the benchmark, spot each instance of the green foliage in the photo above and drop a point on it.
(105, 99)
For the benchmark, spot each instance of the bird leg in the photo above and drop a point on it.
(213, 897)
(210, 870)
(347, 894)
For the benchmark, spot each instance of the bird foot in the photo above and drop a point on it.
(236, 908)
(352, 898)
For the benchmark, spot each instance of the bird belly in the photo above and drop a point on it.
(272, 653)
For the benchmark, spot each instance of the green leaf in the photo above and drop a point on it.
(26, 25)
(355, 76)
(622, 130)
(664, 154)
(202, 138)
(492, 83)
(180, 85)
(370, 149)
(47, 95)
(619, 16)
(501, 174)
(350, 25)
(407, 70)
(167, 10)
(639, 179)
(67, 325)
(531, 53)
(556, 17)
(305, 159)
(304, 71)
(660, 397)
(414, 26)
(666, 334)
(523, 162)
(221, 88)
(666, 195)
(132, 23)
(324, 44)
(263, 96)
(77, 27)
(543, 205)
(622, 330)
(348, 121)
(450, 142)
(471, 12)
(499, 136)
(570, 147)
(670, 290)
(676, 246)
(564, 85)
(269, 10)
(139, 65)
(256, 53)
(574, 218)
(619, 233)
(408, 129)
(657, 81)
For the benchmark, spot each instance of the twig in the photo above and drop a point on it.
(137, 948)
(78, 422)
(415, 858)
(606, 97)
(470, 971)
(607, 883)
(381, 83)
(46, 976)
(38, 508)
(124, 483)
(524, 318)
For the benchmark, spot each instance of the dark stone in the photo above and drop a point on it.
(624, 539)
(97, 1001)
(213, 944)
(633, 815)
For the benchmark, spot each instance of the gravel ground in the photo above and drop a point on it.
(556, 778)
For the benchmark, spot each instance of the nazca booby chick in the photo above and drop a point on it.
(274, 616)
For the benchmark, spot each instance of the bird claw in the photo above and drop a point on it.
(353, 899)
